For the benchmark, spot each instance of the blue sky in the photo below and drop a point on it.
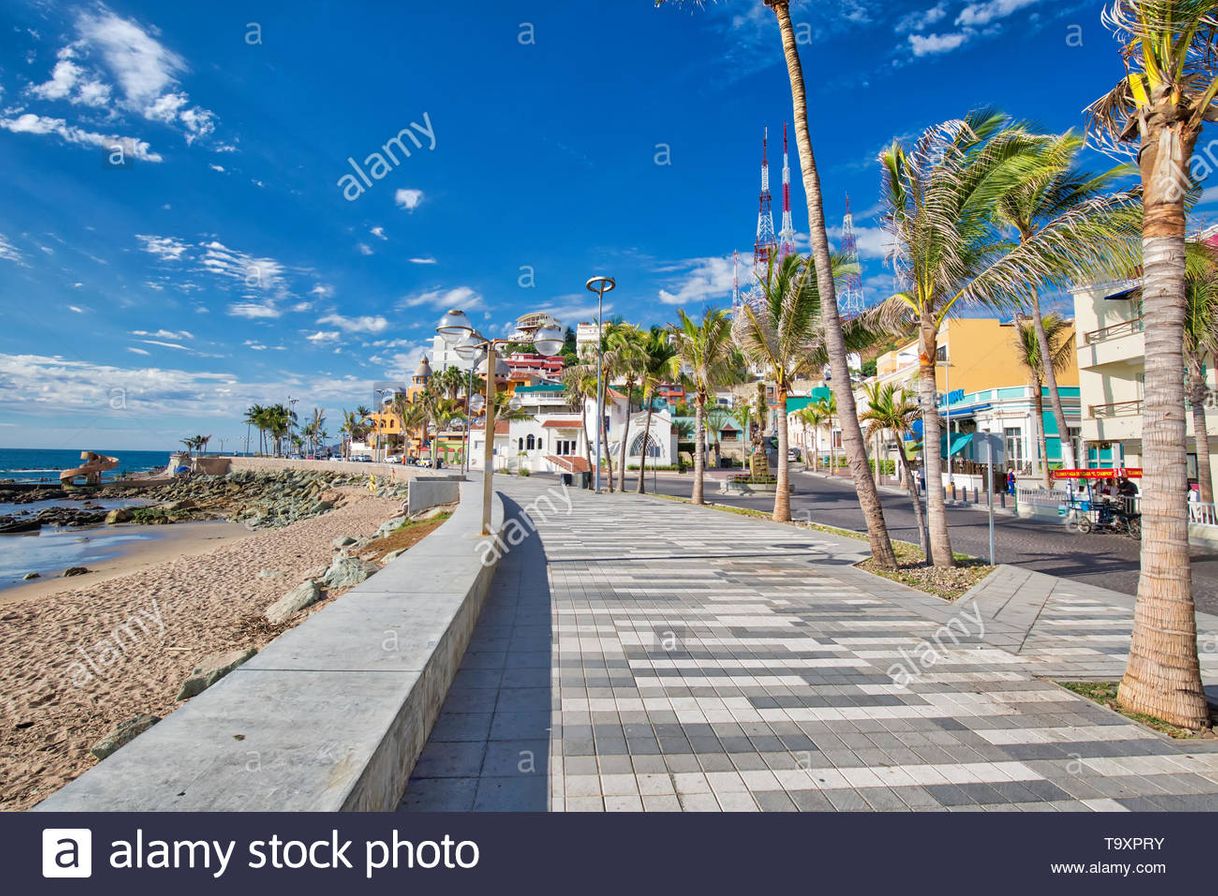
(221, 264)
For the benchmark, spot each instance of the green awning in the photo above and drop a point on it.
(960, 442)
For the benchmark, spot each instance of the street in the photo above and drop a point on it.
(1110, 561)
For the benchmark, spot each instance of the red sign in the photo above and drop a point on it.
(1127, 472)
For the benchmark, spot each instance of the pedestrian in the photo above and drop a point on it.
(1010, 482)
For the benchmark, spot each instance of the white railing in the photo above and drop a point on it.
(1202, 514)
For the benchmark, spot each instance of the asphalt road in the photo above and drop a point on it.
(1110, 561)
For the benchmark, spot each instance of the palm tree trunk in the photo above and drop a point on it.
(699, 448)
(621, 473)
(1050, 380)
(583, 425)
(1038, 405)
(832, 450)
(932, 453)
(608, 456)
(1163, 677)
(782, 492)
(835, 341)
(640, 488)
(912, 488)
(1197, 395)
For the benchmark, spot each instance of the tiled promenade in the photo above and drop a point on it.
(641, 654)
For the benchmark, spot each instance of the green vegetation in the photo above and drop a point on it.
(1105, 694)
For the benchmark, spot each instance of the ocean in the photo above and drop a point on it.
(39, 464)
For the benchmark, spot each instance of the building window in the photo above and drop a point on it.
(565, 446)
(530, 443)
(520, 443)
(1014, 442)
(941, 354)
(653, 446)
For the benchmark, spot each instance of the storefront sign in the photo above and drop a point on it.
(1126, 472)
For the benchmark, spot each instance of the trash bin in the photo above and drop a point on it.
(568, 479)
(585, 480)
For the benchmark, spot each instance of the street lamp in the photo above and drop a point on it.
(600, 285)
(469, 350)
(459, 334)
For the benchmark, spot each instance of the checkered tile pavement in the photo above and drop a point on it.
(638, 654)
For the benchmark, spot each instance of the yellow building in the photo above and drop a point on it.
(975, 353)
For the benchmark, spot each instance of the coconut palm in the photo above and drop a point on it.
(1058, 335)
(828, 408)
(626, 354)
(892, 409)
(704, 353)
(659, 366)
(1169, 48)
(717, 416)
(1088, 222)
(579, 381)
(834, 335)
(315, 430)
(1201, 346)
(813, 417)
(941, 199)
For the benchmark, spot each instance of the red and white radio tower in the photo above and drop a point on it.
(786, 236)
(766, 246)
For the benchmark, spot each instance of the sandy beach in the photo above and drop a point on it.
(83, 655)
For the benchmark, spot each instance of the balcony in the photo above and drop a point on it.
(1121, 342)
(1114, 422)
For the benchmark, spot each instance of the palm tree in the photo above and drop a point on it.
(579, 381)
(314, 430)
(1162, 104)
(1075, 213)
(834, 335)
(813, 416)
(828, 407)
(659, 365)
(626, 354)
(716, 416)
(891, 409)
(941, 199)
(1201, 345)
(705, 357)
(255, 415)
(1059, 336)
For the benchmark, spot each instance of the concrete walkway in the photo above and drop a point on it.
(643, 654)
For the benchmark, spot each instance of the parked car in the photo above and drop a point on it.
(793, 455)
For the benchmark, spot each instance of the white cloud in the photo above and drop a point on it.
(254, 310)
(72, 83)
(166, 248)
(29, 123)
(932, 44)
(423, 259)
(703, 280)
(215, 167)
(264, 274)
(364, 324)
(76, 309)
(378, 232)
(363, 248)
(137, 351)
(9, 252)
(408, 199)
(873, 242)
(464, 297)
(976, 14)
(165, 334)
(323, 336)
(921, 19)
(322, 290)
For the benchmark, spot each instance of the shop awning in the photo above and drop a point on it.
(960, 442)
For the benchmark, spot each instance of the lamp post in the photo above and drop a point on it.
(600, 285)
(455, 329)
(469, 349)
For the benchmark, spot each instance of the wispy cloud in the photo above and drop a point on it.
(701, 280)
(408, 199)
(464, 297)
(29, 123)
(9, 252)
(363, 324)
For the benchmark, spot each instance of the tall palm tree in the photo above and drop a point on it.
(1058, 335)
(626, 350)
(659, 366)
(1169, 50)
(782, 336)
(1084, 215)
(941, 199)
(579, 381)
(716, 417)
(892, 409)
(828, 407)
(1201, 346)
(704, 352)
(834, 336)
(255, 415)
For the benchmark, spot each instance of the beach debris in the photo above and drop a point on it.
(125, 733)
(118, 515)
(76, 571)
(303, 595)
(345, 572)
(211, 669)
(32, 575)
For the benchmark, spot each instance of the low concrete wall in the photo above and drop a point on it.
(424, 494)
(332, 715)
(399, 472)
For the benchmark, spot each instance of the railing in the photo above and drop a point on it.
(1124, 328)
(1116, 409)
(1202, 514)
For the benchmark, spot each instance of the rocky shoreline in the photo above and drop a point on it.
(259, 500)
